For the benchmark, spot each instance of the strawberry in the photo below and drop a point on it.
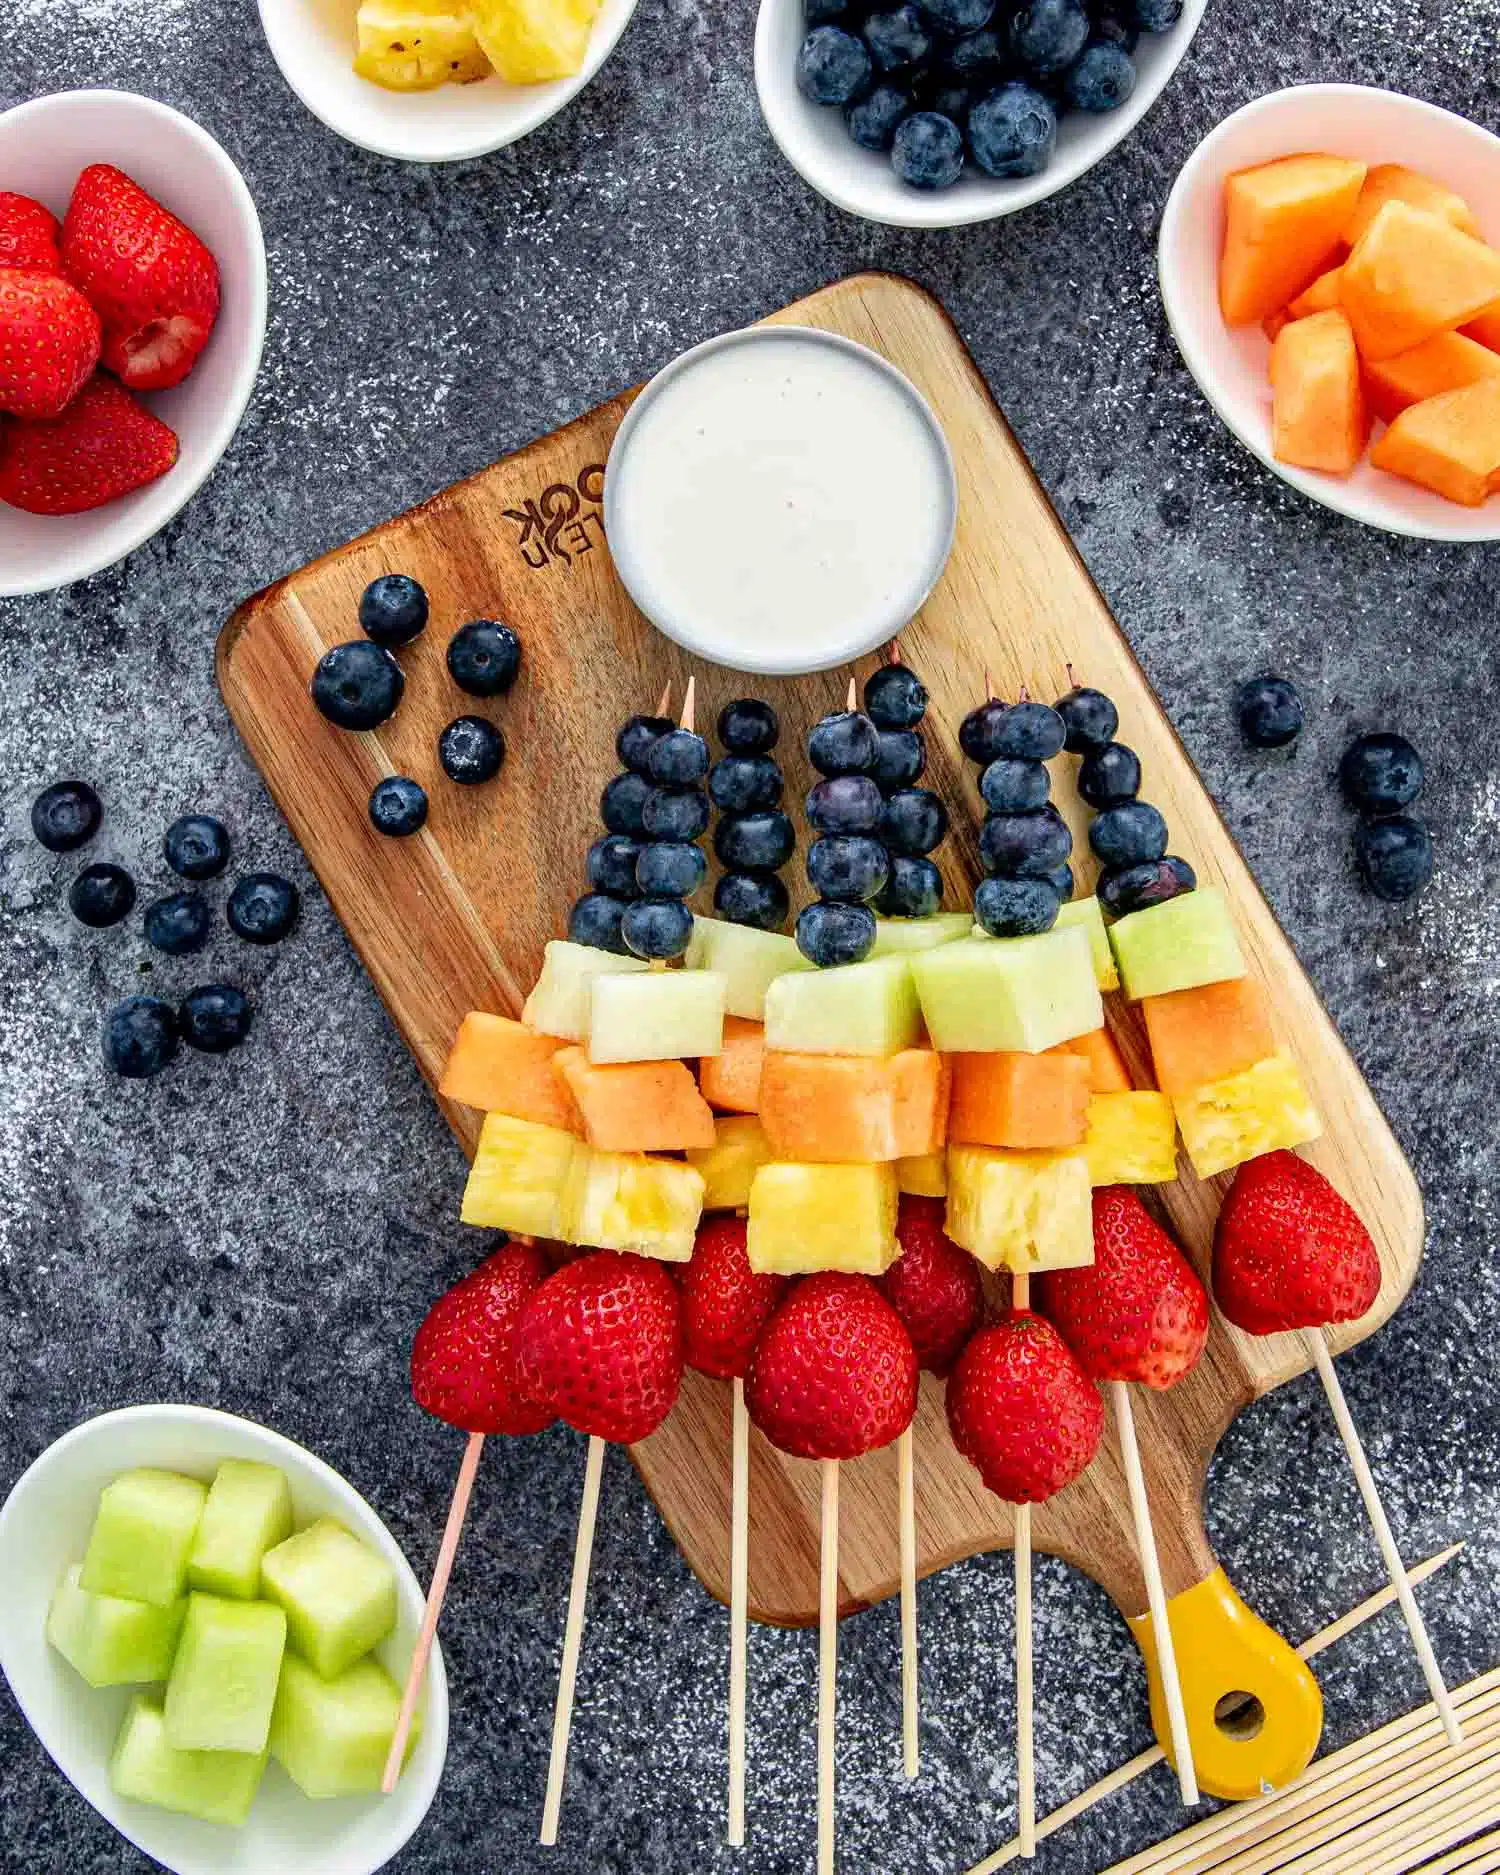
(1289, 1252)
(103, 445)
(601, 1342)
(835, 1373)
(1022, 1410)
(725, 1305)
(463, 1361)
(28, 234)
(933, 1286)
(1138, 1312)
(153, 283)
(49, 342)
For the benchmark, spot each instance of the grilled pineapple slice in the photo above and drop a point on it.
(530, 41)
(417, 45)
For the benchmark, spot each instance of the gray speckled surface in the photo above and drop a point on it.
(266, 1234)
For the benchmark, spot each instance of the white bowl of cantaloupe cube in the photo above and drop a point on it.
(1330, 266)
(206, 1628)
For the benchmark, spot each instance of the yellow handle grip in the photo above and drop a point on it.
(1254, 1711)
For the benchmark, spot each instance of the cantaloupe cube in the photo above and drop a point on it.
(1207, 1033)
(627, 1201)
(1393, 182)
(636, 1106)
(1027, 1102)
(1265, 1109)
(805, 1218)
(500, 1066)
(1485, 330)
(1322, 296)
(1412, 276)
(1176, 946)
(1020, 1211)
(666, 1015)
(1283, 223)
(517, 1178)
(1318, 415)
(854, 1109)
(926, 1177)
(1020, 995)
(563, 998)
(1445, 363)
(1132, 1139)
(729, 1165)
(1107, 1071)
(748, 960)
(1450, 444)
(730, 1080)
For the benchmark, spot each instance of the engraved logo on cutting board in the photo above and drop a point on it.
(563, 523)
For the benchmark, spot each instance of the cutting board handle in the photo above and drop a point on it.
(1254, 1710)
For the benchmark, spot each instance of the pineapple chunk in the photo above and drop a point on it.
(1085, 914)
(516, 1181)
(627, 1201)
(666, 1015)
(926, 1177)
(749, 961)
(1021, 1211)
(1188, 941)
(805, 1218)
(854, 1009)
(416, 45)
(561, 1002)
(1264, 1109)
(530, 41)
(1008, 995)
(728, 1166)
(1132, 1139)
(895, 935)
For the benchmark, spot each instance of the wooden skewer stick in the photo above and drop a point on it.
(851, 701)
(562, 1718)
(911, 1744)
(1395, 1567)
(689, 702)
(739, 1599)
(1020, 1297)
(1156, 1594)
(828, 1664)
(665, 702)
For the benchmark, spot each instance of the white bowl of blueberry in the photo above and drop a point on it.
(936, 113)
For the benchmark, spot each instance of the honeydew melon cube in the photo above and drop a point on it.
(1181, 945)
(1132, 1139)
(1020, 1211)
(632, 1201)
(822, 1217)
(1085, 915)
(666, 1015)
(1008, 995)
(338, 1595)
(868, 1008)
(331, 1737)
(926, 1177)
(517, 1178)
(214, 1786)
(223, 1681)
(249, 1510)
(143, 1534)
(110, 1641)
(563, 997)
(748, 960)
(1262, 1109)
(895, 937)
(728, 1166)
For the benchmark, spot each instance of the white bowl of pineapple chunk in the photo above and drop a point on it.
(438, 81)
(207, 1628)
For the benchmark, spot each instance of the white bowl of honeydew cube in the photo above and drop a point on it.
(266, 1598)
(780, 500)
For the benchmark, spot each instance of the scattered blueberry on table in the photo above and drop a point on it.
(179, 924)
(263, 908)
(393, 610)
(101, 896)
(214, 1018)
(398, 806)
(471, 750)
(1395, 856)
(197, 846)
(141, 1037)
(1381, 774)
(1270, 712)
(357, 685)
(66, 816)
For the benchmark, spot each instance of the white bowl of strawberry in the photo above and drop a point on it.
(132, 314)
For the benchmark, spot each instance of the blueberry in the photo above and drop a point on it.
(958, 17)
(1395, 856)
(1016, 907)
(897, 41)
(1089, 719)
(1100, 79)
(873, 119)
(1025, 846)
(913, 821)
(484, 657)
(828, 935)
(1136, 887)
(950, 101)
(913, 890)
(398, 806)
(638, 736)
(101, 896)
(1047, 35)
(622, 803)
(844, 804)
(1013, 131)
(740, 783)
(1061, 882)
(845, 743)
(927, 152)
(1031, 732)
(392, 609)
(758, 899)
(1270, 712)
(1132, 834)
(357, 685)
(847, 868)
(824, 12)
(833, 67)
(1110, 776)
(748, 727)
(66, 816)
(140, 1037)
(1380, 773)
(471, 750)
(657, 928)
(895, 697)
(670, 869)
(675, 813)
(760, 842)
(179, 924)
(214, 1018)
(263, 908)
(1154, 16)
(679, 759)
(595, 920)
(979, 732)
(611, 864)
(1111, 27)
(903, 759)
(1015, 787)
(978, 59)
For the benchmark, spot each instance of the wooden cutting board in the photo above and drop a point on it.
(456, 918)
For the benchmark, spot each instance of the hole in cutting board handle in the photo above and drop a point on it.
(1240, 1715)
